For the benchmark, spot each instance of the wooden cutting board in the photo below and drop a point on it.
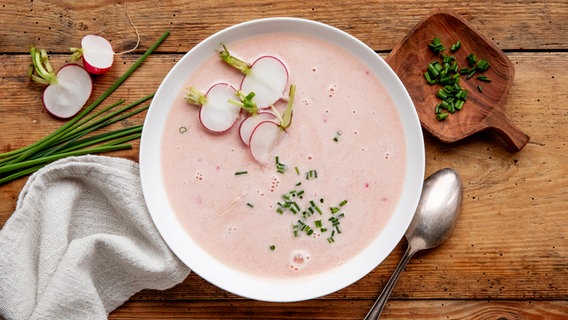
(483, 110)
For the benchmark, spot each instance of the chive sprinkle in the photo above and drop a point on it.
(337, 135)
(238, 173)
(436, 46)
(272, 247)
(455, 46)
(446, 72)
(280, 167)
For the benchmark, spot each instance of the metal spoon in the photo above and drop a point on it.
(433, 222)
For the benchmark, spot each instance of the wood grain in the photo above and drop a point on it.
(507, 258)
(346, 310)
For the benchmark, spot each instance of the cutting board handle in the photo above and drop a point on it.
(513, 136)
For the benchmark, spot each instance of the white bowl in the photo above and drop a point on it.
(248, 285)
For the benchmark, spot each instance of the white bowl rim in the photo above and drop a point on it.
(247, 285)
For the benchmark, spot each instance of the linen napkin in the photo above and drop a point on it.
(81, 242)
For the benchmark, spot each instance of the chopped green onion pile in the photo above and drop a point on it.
(446, 73)
(80, 135)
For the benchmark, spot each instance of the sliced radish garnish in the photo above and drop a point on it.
(217, 113)
(267, 78)
(264, 139)
(97, 54)
(250, 123)
(68, 94)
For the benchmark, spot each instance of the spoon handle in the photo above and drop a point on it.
(381, 301)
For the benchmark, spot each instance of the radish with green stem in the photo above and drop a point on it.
(266, 136)
(267, 77)
(67, 91)
(217, 114)
(96, 52)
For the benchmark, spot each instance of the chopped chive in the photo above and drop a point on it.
(272, 247)
(482, 65)
(483, 78)
(342, 203)
(429, 79)
(436, 46)
(459, 104)
(250, 205)
(455, 46)
(471, 59)
(479, 88)
(297, 170)
(433, 70)
(280, 167)
(238, 173)
(442, 116)
(337, 135)
(311, 174)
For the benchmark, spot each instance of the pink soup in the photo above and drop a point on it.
(343, 159)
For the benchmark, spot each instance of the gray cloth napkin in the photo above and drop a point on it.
(81, 242)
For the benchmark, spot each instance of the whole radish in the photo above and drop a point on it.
(66, 91)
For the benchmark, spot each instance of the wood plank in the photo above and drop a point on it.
(343, 309)
(56, 25)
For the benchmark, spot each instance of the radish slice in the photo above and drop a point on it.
(68, 94)
(217, 114)
(267, 78)
(98, 55)
(250, 123)
(264, 139)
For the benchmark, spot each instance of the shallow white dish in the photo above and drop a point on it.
(248, 285)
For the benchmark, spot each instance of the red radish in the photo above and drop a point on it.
(264, 139)
(250, 123)
(268, 134)
(67, 91)
(68, 95)
(97, 54)
(217, 113)
(267, 77)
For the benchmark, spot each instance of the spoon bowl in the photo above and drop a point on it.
(433, 222)
(437, 210)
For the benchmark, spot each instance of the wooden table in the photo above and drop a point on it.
(508, 257)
